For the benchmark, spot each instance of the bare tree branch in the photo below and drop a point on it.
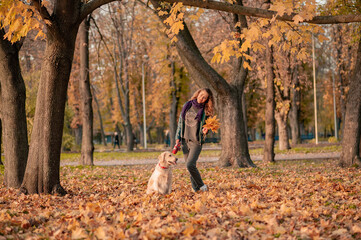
(258, 12)
(41, 9)
(89, 7)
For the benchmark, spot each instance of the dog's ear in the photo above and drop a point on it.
(161, 157)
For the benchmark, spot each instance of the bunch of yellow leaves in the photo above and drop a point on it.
(212, 123)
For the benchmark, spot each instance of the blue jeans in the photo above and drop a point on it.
(191, 151)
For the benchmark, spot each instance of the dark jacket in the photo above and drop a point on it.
(180, 129)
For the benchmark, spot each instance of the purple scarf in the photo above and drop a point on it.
(194, 103)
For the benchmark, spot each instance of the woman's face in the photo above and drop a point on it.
(202, 97)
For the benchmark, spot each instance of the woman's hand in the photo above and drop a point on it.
(205, 131)
(176, 142)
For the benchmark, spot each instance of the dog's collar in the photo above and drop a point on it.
(162, 166)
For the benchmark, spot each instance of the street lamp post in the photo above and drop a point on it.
(334, 104)
(144, 116)
(314, 87)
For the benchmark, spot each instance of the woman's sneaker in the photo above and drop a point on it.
(204, 188)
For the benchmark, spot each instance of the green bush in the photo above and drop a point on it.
(68, 142)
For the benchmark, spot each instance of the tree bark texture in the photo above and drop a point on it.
(268, 154)
(234, 140)
(87, 146)
(281, 116)
(350, 154)
(78, 132)
(295, 111)
(42, 171)
(173, 115)
(13, 95)
(283, 143)
(1, 135)
(62, 24)
(340, 68)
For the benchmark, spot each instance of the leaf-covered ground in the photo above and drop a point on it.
(287, 200)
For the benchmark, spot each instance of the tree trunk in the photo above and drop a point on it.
(340, 76)
(244, 111)
(234, 142)
(160, 135)
(1, 134)
(173, 115)
(100, 119)
(87, 146)
(283, 143)
(141, 136)
(130, 137)
(78, 134)
(295, 111)
(350, 154)
(268, 154)
(13, 95)
(42, 171)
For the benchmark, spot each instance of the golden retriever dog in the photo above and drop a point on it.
(161, 179)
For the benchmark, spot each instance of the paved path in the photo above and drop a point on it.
(294, 156)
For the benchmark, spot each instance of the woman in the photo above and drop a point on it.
(190, 132)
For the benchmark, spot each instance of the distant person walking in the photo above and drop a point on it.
(190, 132)
(116, 140)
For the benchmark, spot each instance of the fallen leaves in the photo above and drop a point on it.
(313, 199)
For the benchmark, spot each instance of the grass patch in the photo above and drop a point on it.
(316, 149)
(111, 155)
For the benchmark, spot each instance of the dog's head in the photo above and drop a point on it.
(166, 159)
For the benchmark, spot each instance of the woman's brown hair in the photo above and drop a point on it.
(209, 103)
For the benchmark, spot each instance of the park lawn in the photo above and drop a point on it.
(107, 156)
(286, 200)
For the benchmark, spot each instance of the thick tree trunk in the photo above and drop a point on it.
(87, 146)
(13, 95)
(234, 142)
(173, 115)
(350, 154)
(283, 143)
(295, 112)
(268, 154)
(42, 171)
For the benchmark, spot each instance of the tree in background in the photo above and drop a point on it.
(87, 146)
(61, 23)
(13, 93)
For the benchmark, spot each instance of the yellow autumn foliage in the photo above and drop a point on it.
(212, 123)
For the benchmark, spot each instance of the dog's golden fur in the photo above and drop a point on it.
(161, 179)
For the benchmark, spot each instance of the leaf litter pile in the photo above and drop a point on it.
(286, 200)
